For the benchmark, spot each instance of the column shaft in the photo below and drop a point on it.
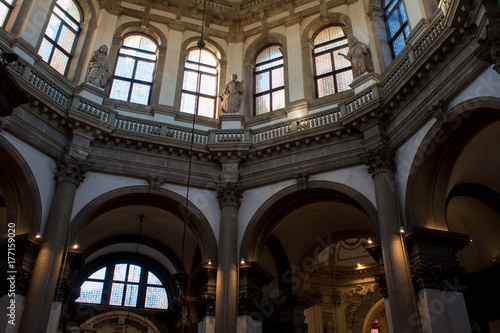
(226, 299)
(399, 286)
(48, 262)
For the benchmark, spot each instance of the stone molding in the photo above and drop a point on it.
(229, 194)
(71, 169)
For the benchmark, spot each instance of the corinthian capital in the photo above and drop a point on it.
(229, 194)
(71, 169)
(379, 160)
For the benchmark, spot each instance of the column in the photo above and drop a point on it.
(380, 162)
(226, 300)
(70, 172)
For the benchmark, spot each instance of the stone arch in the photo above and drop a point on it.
(93, 323)
(376, 311)
(19, 190)
(165, 199)
(265, 218)
(426, 192)
(149, 30)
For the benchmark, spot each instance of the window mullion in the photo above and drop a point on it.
(108, 281)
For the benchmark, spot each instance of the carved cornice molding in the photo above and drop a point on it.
(442, 277)
(229, 194)
(71, 169)
(379, 160)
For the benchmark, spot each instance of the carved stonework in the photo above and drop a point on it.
(438, 111)
(120, 320)
(354, 299)
(490, 48)
(229, 194)
(71, 169)
(437, 277)
(379, 160)
(246, 304)
(382, 284)
(205, 306)
(359, 56)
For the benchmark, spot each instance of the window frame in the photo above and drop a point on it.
(10, 8)
(199, 73)
(108, 281)
(136, 60)
(330, 51)
(402, 26)
(271, 90)
(54, 43)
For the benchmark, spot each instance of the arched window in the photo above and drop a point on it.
(269, 80)
(124, 284)
(332, 72)
(199, 86)
(59, 40)
(134, 71)
(375, 326)
(397, 25)
(5, 9)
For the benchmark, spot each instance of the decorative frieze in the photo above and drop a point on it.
(71, 169)
(229, 194)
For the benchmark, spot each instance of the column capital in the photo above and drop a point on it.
(71, 169)
(229, 194)
(380, 159)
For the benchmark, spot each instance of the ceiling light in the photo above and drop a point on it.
(75, 246)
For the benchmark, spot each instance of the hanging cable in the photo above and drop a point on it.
(201, 45)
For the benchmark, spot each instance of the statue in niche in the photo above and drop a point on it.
(359, 56)
(98, 67)
(233, 95)
(328, 325)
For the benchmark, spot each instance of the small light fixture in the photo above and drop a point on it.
(38, 236)
(402, 229)
(242, 261)
(359, 265)
(494, 260)
(75, 246)
(210, 261)
(370, 240)
(470, 240)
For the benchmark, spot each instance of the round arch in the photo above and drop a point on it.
(19, 190)
(268, 215)
(427, 187)
(165, 199)
(149, 30)
(320, 22)
(119, 317)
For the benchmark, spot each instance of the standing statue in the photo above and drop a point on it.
(98, 67)
(233, 90)
(358, 55)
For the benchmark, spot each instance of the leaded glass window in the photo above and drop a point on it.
(5, 9)
(332, 72)
(134, 70)
(269, 87)
(397, 26)
(127, 285)
(58, 43)
(199, 86)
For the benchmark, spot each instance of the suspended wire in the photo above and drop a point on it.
(201, 45)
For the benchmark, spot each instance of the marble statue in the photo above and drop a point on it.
(98, 67)
(233, 95)
(358, 56)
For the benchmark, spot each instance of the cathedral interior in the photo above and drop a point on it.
(250, 166)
